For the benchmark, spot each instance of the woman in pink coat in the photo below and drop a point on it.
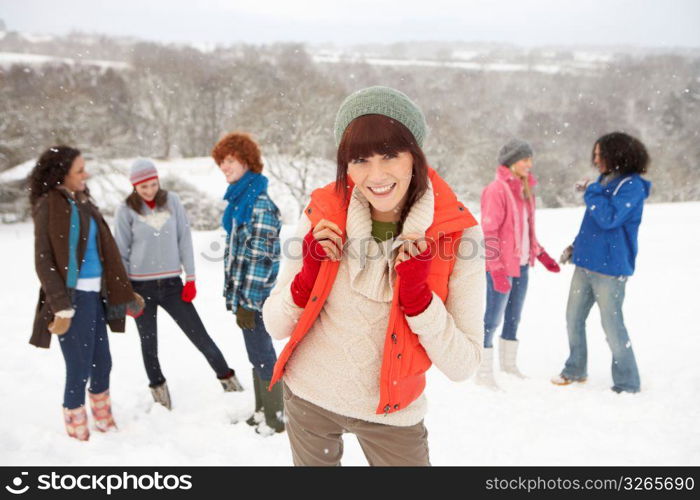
(508, 221)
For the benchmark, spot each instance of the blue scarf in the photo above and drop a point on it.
(241, 196)
(73, 236)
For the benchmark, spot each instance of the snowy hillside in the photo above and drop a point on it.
(118, 98)
(581, 63)
(109, 183)
(7, 59)
(531, 423)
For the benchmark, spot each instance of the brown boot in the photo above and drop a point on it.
(230, 382)
(101, 407)
(563, 380)
(76, 423)
(161, 395)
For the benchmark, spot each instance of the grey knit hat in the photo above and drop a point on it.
(142, 170)
(513, 151)
(381, 101)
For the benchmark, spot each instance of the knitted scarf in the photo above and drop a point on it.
(241, 196)
(73, 236)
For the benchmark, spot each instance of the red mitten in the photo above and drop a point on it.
(189, 291)
(414, 293)
(313, 254)
(548, 262)
(500, 281)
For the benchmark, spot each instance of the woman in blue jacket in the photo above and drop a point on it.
(604, 253)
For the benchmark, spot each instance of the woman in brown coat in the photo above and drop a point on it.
(83, 284)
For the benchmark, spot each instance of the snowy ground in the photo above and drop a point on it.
(531, 423)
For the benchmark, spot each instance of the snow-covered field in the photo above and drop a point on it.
(532, 422)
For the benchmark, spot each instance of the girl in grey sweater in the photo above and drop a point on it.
(154, 239)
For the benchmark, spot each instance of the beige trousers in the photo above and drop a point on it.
(315, 436)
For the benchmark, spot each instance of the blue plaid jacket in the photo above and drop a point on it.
(252, 257)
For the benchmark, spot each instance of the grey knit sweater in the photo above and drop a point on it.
(155, 244)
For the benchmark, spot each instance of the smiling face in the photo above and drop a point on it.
(148, 190)
(384, 180)
(75, 179)
(232, 168)
(521, 168)
(380, 157)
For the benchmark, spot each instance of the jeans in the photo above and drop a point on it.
(167, 294)
(587, 288)
(261, 352)
(85, 349)
(508, 306)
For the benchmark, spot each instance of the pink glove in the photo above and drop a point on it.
(548, 262)
(414, 293)
(189, 291)
(500, 281)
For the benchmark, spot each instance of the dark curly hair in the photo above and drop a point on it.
(240, 145)
(50, 170)
(622, 153)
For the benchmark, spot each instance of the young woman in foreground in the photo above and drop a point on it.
(384, 279)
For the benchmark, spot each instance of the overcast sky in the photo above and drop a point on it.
(656, 23)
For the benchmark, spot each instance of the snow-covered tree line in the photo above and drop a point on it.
(176, 101)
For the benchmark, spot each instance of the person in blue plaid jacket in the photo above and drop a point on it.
(251, 263)
(252, 259)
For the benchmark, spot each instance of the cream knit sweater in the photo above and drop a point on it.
(337, 365)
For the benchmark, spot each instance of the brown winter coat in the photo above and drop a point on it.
(51, 229)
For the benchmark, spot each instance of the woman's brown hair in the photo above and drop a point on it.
(368, 135)
(135, 202)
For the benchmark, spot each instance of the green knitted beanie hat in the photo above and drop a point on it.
(381, 101)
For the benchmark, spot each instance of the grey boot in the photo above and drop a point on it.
(484, 376)
(161, 395)
(257, 415)
(507, 354)
(273, 409)
(231, 383)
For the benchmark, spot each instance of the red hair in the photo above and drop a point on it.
(242, 146)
